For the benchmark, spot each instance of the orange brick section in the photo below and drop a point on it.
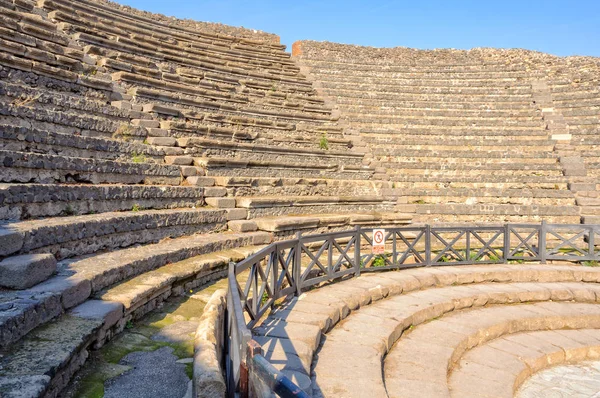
(297, 49)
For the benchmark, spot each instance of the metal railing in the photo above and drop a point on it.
(290, 267)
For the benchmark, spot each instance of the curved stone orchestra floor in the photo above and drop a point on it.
(568, 381)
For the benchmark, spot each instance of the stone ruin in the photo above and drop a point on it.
(140, 154)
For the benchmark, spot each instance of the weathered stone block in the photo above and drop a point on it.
(201, 181)
(221, 203)
(242, 226)
(21, 272)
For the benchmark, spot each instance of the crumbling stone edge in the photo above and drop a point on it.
(208, 378)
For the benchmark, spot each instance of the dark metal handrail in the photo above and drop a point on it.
(289, 267)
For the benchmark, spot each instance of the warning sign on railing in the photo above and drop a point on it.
(378, 241)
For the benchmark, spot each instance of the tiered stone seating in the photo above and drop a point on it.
(133, 150)
(458, 134)
(573, 87)
(432, 329)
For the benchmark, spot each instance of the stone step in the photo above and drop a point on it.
(464, 122)
(141, 294)
(368, 87)
(458, 97)
(428, 111)
(19, 92)
(447, 210)
(261, 131)
(26, 201)
(566, 199)
(423, 66)
(223, 167)
(434, 102)
(480, 183)
(174, 101)
(472, 168)
(26, 167)
(416, 132)
(274, 206)
(239, 186)
(284, 227)
(44, 117)
(72, 236)
(201, 147)
(489, 192)
(77, 279)
(396, 81)
(23, 139)
(391, 71)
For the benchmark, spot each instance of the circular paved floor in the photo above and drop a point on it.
(568, 381)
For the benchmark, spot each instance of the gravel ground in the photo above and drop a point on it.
(155, 374)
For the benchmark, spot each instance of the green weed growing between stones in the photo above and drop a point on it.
(324, 142)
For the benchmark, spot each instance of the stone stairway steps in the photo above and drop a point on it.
(288, 205)
(222, 167)
(393, 80)
(26, 201)
(434, 102)
(77, 279)
(199, 147)
(428, 111)
(510, 92)
(211, 126)
(435, 96)
(489, 213)
(240, 186)
(40, 168)
(464, 122)
(62, 345)
(72, 236)
(22, 139)
(421, 133)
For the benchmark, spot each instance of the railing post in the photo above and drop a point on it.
(542, 242)
(252, 349)
(297, 266)
(428, 245)
(506, 250)
(357, 251)
(591, 243)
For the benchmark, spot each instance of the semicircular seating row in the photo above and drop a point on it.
(470, 331)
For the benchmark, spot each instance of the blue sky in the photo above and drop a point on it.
(557, 27)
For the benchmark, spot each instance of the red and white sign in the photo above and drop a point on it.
(378, 241)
